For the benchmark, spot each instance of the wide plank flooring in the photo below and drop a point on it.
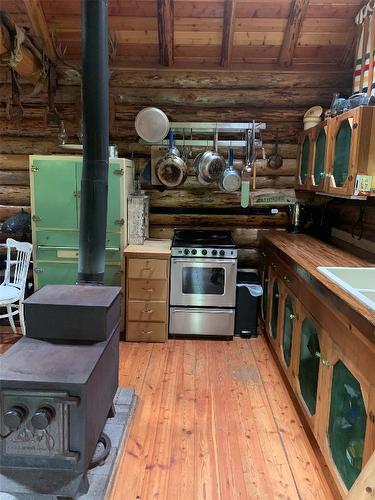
(214, 421)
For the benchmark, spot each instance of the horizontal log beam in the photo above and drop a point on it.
(14, 162)
(255, 77)
(14, 178)
(41, 145)
(14, 195)
(255, 221)
(197, 198)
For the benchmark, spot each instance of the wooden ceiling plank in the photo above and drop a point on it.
(39, 27)
(166, 32)
(297, 14)
(228, 29)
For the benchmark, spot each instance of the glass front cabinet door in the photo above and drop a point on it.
(308, 364)
(351, 149)
(264, 300)
(319, 145)
(304, 156)
(346, 424)
(274, 308)
(287, 340)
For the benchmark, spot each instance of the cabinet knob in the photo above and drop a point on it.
(292, 316)
(323, 361)
(286, 279)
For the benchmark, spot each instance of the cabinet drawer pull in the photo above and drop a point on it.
(147, 311)
(148, 289)
(286, 279)
(292, 316)
(264, 254)
(273, 265)
(147, 333)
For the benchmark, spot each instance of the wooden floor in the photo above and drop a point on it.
(214, 421)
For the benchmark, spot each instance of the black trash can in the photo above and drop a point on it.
(249, 291)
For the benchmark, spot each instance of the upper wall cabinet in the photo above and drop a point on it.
(334, 153)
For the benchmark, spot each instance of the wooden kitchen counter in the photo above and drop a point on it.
(304, 254)
(160, 249)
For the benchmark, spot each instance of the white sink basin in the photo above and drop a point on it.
(358, 281)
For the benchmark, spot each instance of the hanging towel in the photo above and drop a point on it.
(254, 290)
(358, 65)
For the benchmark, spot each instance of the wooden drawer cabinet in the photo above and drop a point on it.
(146, 332)
(147, 311)
(147, 291)
(147, 268)
(142, 289)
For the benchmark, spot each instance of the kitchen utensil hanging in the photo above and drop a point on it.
(230, 180)
(171, 170)
(275, 161)
(152, 124)
(209, 165)
(248, 168)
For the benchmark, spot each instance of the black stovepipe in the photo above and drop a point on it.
(95, 109)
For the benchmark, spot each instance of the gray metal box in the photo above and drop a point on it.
(73, 312)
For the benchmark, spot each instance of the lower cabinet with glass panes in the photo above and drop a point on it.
(335, 391)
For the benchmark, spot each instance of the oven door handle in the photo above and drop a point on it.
(176, 260)
(200, 310)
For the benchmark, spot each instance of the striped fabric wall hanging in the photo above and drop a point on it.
(364, 73)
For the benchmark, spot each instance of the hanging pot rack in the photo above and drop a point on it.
(209, 128)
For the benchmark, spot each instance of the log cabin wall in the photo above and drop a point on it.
(356, 219)
(198, 61)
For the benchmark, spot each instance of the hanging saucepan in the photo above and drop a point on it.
(230, 179)
(171, 170)
(275, 161)
(209, 166)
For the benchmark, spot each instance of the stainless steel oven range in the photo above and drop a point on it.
(203, 284)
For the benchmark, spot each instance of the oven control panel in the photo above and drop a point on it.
(213, 253)
(36, 423)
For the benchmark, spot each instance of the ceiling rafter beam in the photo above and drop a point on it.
(297, 14)
(228, 30)
(166, 32)
(39, 27)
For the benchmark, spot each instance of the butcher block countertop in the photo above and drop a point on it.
(304, 254)
(152, 248)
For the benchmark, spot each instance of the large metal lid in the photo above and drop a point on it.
(152, 124)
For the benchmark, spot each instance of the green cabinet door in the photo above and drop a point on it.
(114, 208)
(288, 330)
(309, 364)
(342, 153)
(275, 308)
(54, 193)
(305, 154)
(265, 293)
(347, 424)
(319, 161)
